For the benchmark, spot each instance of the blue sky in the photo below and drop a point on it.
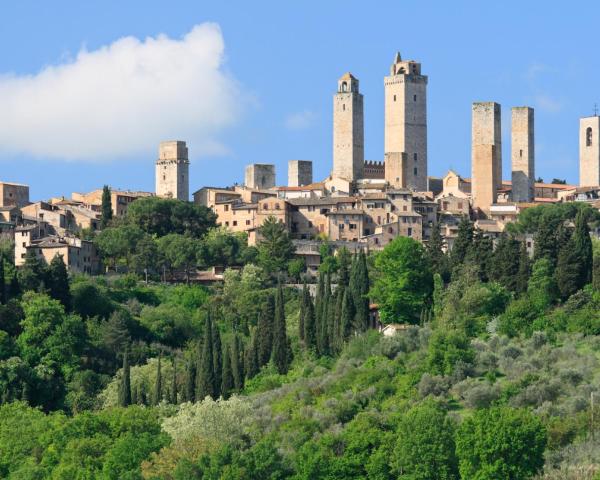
(271, 71)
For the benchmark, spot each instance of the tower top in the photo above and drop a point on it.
(347, 83)
(408, 67)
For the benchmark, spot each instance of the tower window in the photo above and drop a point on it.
(394, 98)
(414, 98)
(415, 170)
(588, 137)
(521, 153)
(343, 107)
(415, 156)
(344, 86)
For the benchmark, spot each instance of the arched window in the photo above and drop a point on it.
(588, 137)
(344, 86)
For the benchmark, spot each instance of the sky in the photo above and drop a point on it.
(89, 89)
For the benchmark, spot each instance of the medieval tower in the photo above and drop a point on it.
(522, 154)
(348, 130)
(589, 151)
(172, 171)
(406, 123)
(486, 154)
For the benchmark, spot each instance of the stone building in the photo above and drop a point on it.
(522, 154)
(589, 151)
(406, 122)
(172, 171)
(300, 173)
(259, 176)
(348, 130)
(14, 194)
(119, 199)
(486, 154)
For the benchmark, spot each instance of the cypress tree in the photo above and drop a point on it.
(174, 383)
(125, 387)
(58, 281)
(505, 263)
(143, 397)
(251, 366)
(135, 395)
(14, 289)
(205, 382)
(463, 242)
(217, 359)
(227, 382)
(583, 247)
(280, 354)
(524, 270)
(3, 289)
(347, 316)
(158, 384)
(481, 254)
(310, 334)
(344, 260)
(319, 304)
(303, 309)
(106, 207)
(435, 252)
(264, 331)
(33, 272)
(237, 366)
(359, 288)
(338, 330)
(190, 381)
(331, 312)
(568, 273)
(322, 321)
(545, 241)
(596, 273)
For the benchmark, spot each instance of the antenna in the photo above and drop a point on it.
(595, 109)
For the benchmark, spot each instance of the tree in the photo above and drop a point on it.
(125, 387)
(583, 246)
(217, 358)
(404, 282)
(347, 315)
(435, 252)
(310, 333)
(568, 271)
(118, 244)
(264, 331)
(237, 363)
(359, 288)
(280, 353)
(502, 443)
(425, 445)
(446, 348)
(542, 289)
(14, 288)
(227, 382)
(505, 263)
(174, 383)
(251, 366)
(275, 248)
(205, 382)
(463, 242)
(107, 211)
(179, 252)
(158, 385)
(145, 260)
(58, 281)
(190, 381)
(524, 270)
(344, 261)
(596, 273)
(481, 254)
(3, 289)
(33, 272)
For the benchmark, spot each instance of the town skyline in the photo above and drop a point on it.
(275, 131)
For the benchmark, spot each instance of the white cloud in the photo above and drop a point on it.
(300, 120)
(547, 103)
(123, 99)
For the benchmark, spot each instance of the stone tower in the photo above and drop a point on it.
(172, 171)
(348, 130)
(260, 176)
(486, 154)
(300, 173)
(406, 120)
(395, 169)
(589, 151)
(522, 154)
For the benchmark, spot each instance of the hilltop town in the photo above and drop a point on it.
(362, 204)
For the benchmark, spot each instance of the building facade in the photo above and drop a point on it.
(172, 171)
(589, 151)
(522, 154)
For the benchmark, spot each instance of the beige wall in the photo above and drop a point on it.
(300, 173)
(486, 154)
(348, 130)
(13, 194)
(172, 170)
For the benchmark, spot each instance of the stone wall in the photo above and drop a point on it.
(260, 176)
(589, 151)
(522, 154)
(300, 173)
(172, 170)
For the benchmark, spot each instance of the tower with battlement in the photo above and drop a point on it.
(348, 130)
(172, 170)
(589, 151)
(522, 154)
(406, 122)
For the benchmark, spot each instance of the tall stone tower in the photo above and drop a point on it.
(348, 130)
(589, 151)
(522, 154)
(172, 171)
(406, 120)
(260, 176)
(486, 154)
(300, 173)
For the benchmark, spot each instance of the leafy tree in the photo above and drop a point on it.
(275, 248)
(359, 287)
(145, 259)
(117, 245)
(125, 387)
(505, 263)
(524, 270)
(568, 270)
(222, 247)
(481, 254)
(463, 242)
(542, 289)
(446, 348)
(435, 253)
(404, 282)
(106, 210)
(296, 267)
(179, 252)
(33, 272)
(281, 352)
(425, 446)
(501, 443)
(58, 281)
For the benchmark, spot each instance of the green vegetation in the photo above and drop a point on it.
(124, 377)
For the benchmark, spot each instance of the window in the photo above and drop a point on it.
(409, 231)
(414, 98)
(520, 153)
(226, 208)
(353, 226)
(415, 170)
(277, 206)
(310, 224)
(394, 98)
(344, 86)
(460, 205)
(24, 244)
(343, 107)
(588, 137)
(235, 223)
(376, 241)
(226, 224)
(247, 222)
(415, 156)
(404, 208)
(266, 206)
(390, 230)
